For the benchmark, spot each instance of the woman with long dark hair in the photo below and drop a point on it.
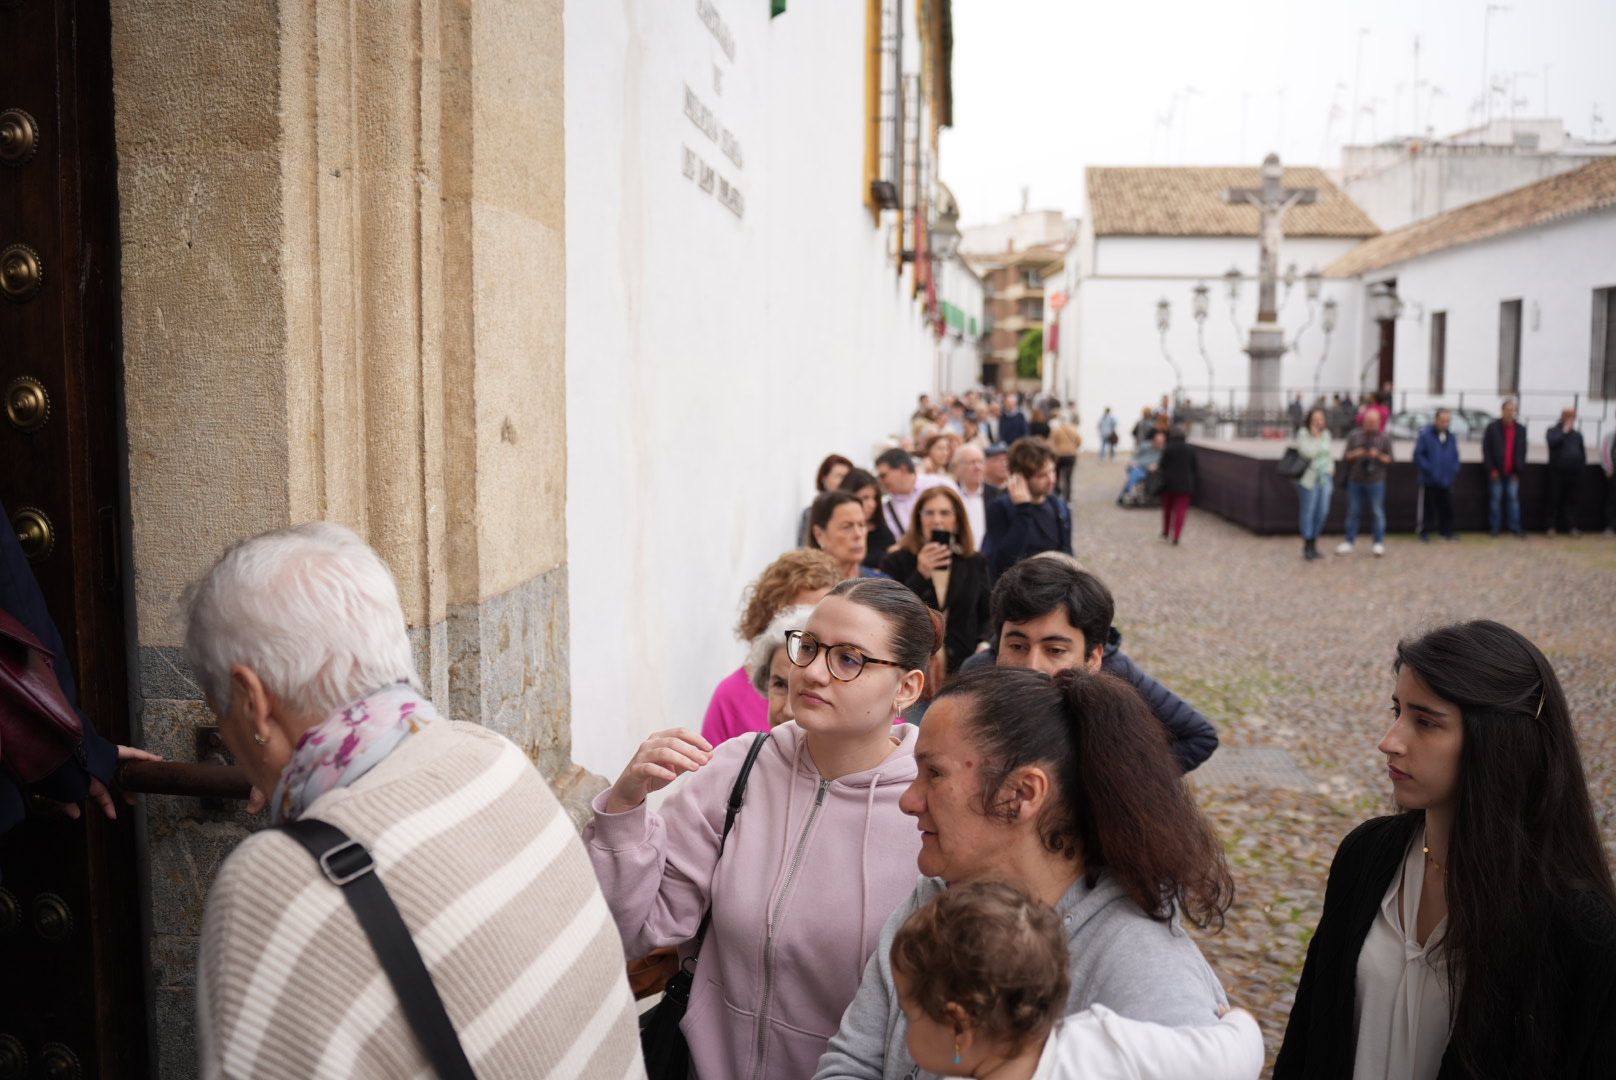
(1474, 933)
(829, 477)
(1066, 789)
(867, 488)
(945, 570)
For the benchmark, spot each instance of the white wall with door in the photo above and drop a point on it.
(733, 315)
(1556, 273)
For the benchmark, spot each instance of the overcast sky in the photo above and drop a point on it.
(1043, 88)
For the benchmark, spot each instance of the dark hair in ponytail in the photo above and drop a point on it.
(916, 630)
(1525, 852)
(1121, 803)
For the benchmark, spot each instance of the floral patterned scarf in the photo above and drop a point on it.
(346, 745)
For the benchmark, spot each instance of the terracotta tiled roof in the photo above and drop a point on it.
(1188, 201)
(1576, 192)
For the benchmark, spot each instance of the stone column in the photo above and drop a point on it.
(344, 298)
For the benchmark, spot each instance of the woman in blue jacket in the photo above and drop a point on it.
(1436, 457)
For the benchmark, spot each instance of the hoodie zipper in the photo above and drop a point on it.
(768, 945)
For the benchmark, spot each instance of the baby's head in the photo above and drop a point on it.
(981, 976)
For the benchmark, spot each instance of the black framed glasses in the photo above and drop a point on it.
(844, 662)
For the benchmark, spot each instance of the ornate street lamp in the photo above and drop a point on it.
(945, 234)
(1324, 354)
(1231, 279)
(1314, 282)
(1201, 303)
(1164, 318)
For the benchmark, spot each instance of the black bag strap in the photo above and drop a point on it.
(348, 864)
(737, 795)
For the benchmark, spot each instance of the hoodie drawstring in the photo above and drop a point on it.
(864, 872)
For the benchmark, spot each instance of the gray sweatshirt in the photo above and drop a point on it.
(1120, 958)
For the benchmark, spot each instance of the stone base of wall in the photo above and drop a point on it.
(502, 663)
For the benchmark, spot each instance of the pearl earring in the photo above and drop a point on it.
(260, 739)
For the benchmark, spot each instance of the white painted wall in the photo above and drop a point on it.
(1553, 269)
(1119, 352)
(959, 359)
(712, 360)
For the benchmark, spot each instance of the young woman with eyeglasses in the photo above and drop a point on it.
(819, 855)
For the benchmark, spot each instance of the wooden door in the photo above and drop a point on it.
(72, 993)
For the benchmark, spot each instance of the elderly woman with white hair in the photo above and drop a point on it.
(298, 640)
(768, 666)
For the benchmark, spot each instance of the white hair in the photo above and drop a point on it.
(313, 612)
(761, 654)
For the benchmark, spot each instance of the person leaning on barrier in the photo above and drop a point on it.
(298, 641)
(1567, 459)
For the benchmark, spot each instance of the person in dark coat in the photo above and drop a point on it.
(1568, 457)
(948, 575)
(1047, 613)
(1474, 933)
(1177, 469)
(1013, 423)
(1436, 459)
(1503, 455)
(87, 774)
(1029, 517)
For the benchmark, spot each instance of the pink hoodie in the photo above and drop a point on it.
(811, 871)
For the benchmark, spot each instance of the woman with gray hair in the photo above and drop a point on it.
(299, 642)
(769, 667)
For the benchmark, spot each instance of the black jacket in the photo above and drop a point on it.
(878, 539)
(1193, 736)
(1017, 530)
(1319, 1040)
(1492, 447)
(1177, 466)
(967, 610)
(1565, 449)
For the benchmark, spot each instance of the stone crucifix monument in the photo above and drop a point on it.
(1267, 343)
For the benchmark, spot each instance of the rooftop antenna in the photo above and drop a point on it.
(1486, 40)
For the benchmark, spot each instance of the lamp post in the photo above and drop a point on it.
(1201, 303)
(1324, 354)
(1231, 279)
(1163, 321)
(1313, 284)
(1385, 305)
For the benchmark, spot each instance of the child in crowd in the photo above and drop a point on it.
(982, 977)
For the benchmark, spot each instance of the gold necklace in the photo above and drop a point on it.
(1434, 863)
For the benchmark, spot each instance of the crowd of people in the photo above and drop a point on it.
(1368, 452)
(935, 824)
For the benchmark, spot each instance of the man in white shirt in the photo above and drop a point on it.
(896, 471)
(969, 469)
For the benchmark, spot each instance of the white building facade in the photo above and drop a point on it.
(737, 308)
(1514, 296)
(1406, 180)
(961, 307)
(1154, 234)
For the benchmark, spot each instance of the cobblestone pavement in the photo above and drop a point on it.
(1283, 653)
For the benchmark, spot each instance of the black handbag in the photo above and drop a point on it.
(1292, 465)
(349, 866)
(667, 1054)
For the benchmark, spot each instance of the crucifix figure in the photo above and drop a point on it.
(1272, 200)
(1267, 344)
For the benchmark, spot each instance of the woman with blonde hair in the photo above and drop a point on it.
(797, 577)
(937, 559)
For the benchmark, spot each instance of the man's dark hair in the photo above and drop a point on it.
(1042, 584)
(1028, 454)
(896, 458)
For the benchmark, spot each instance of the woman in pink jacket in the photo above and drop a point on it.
(818, 858)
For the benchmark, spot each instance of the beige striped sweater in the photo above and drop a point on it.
(498, 893)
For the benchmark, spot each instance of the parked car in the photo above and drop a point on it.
(1465, 423)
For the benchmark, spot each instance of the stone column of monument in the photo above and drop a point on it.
(1267, 345)
(344, 298)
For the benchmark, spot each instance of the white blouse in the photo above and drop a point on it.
(1402, 1014)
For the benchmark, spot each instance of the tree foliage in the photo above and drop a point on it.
(1030, 354)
